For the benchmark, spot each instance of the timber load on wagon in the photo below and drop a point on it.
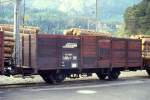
(9, 39)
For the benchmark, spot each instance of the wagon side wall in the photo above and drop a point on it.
(47, 52)
(134, 53)
(96, 52)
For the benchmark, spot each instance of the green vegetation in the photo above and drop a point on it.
(137, 18)
(53, 16)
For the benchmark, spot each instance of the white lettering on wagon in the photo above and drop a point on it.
(70, 45)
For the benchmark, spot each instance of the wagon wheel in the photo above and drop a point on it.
(113, 75)
(101, 76)
(46, 78)
(53, 78)
(59, 77)
(148, 71)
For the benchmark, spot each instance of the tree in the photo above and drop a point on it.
(137, 18)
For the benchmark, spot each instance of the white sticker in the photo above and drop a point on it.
(74, 65)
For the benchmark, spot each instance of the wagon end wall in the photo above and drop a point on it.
(1, 52)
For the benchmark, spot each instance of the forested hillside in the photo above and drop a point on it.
(54, 16)
(137, 18)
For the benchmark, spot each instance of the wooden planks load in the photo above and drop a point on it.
(25, 29)
(9, 42)
(145, 44)
(77, 31)
(68, 32)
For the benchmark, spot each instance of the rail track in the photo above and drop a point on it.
(72, 83)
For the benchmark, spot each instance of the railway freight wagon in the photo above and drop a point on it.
(56, 57)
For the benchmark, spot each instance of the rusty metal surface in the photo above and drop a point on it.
(119, 51)
(88, 52)
(1, 51)
(58, 52)
(134, 53)
(47, 52)
(70, 52)
(126, 53)
(65, 52)
(104, 52)
(29, 51)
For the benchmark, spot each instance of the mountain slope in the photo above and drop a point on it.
(52, 15)
(137, 18)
